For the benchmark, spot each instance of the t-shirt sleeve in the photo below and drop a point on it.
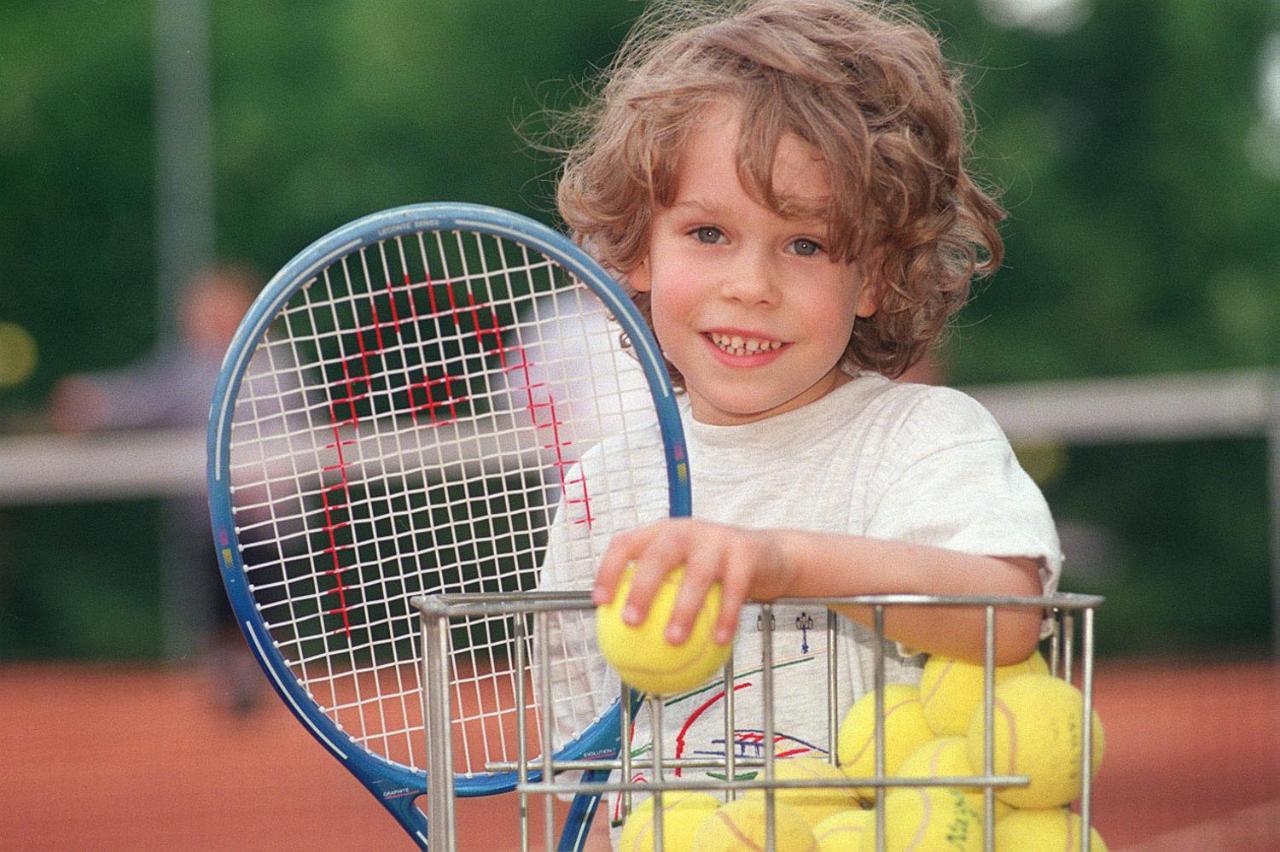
(949, 478)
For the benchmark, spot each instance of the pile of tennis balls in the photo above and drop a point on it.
(934, 730)
(931, 731)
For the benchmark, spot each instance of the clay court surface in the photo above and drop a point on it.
(140, 758)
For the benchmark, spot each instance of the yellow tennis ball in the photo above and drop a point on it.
(741, 825)
(1037, 733)
(683, 813)
(844, 831)
(1044, 830)
(947, 757)
(19, 354)
(813, 803)
(905, 730)
(644, 658)
(950, 689)
(920, 818)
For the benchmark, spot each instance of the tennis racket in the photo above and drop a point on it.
(416, 404)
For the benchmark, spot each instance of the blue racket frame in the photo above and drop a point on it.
(396, 786)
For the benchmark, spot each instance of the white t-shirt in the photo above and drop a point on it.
(873, 458)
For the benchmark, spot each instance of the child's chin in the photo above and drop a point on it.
(729, 410)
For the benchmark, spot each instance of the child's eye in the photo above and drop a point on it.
(805, 247)
(708, 234)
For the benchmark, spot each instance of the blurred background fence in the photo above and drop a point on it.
(1129, 345)
(1128, 422)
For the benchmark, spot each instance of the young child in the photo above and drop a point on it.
(783, 185)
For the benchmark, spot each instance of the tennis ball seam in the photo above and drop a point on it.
(870, 741)
(927, 697)
(642, 835)
(855, 830)
(736, 832)
(926, 817)
(1012, 734)
(935, 758)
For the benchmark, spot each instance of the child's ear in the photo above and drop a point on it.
(639, 278)
(868, 300)
(871, 284)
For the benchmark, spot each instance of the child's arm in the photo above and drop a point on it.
(767, 564)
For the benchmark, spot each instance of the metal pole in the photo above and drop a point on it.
(548, 725)
(624, 750)
(439, 742)
(833, 692)
(184, 162)
(988, 728)
(522, 719)
(730, 728)
(1086, 742)
(1273, 489)
(881, 792)
(659, 777)
(766, 678)
(184, 244)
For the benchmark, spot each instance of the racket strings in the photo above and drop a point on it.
(409, 424)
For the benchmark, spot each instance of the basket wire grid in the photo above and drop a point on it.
(531, 611)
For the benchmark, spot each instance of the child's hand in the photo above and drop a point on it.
(746, 563)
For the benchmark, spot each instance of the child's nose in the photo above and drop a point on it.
(750, 278)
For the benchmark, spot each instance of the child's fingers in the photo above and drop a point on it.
(701, 570)
(733, 594)
(623, 547)
(662, 553)
(735, 587)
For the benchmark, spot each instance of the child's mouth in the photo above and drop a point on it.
(734, 344)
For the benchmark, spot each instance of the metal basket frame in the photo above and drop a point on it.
(437, 610)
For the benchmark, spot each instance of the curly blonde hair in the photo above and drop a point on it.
(865, 84)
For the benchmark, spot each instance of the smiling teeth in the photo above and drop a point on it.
(737, 345)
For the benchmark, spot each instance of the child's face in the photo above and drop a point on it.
(746, 303)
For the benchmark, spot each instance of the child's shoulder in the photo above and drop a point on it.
(917, 413)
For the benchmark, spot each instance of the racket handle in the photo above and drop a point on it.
(583, 810)
(410, 818)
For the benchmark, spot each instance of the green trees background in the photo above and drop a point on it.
(1138, 155)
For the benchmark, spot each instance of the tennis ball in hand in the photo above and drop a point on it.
(1037, 733)
(844, 831)
(950, 689)
(905, 730)
(683, 814)
(644, 658)
(1044, 830)
(741, 825)
(813, 803)
(947, 757)
(918, 818)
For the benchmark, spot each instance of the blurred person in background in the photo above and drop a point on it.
(171, 387)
